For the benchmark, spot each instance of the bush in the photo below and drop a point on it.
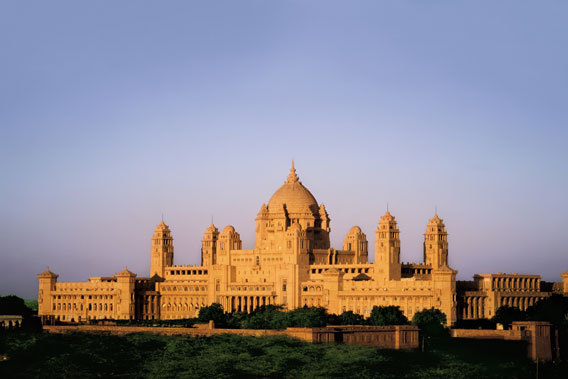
(308, 317)
(389, 315)
(213, 312)
(13, 305)
(432, 322)
(351, 318)
(506, 315)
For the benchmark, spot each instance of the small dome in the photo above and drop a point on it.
(292, 194)
(229, 229)
(355, 229)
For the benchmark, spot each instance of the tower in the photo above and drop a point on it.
(436, 243)
(227, 241)
(47, 284)
(162, 250)
(356, 241)
(209, 246)
(125, 283)
(387, 248)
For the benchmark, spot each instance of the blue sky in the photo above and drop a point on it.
(112, 113)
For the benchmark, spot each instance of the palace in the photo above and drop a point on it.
(293, 265)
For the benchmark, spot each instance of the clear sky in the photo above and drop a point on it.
(114, 112)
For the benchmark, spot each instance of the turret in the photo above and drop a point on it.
(125, 284)
(436, 243)
(387, 248)
(228, 241)
(162, 250)
(209, 246)
(47, 283)
(356, 241)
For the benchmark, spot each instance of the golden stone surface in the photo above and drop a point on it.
(292, 264)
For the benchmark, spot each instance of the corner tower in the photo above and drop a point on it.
(436, 243)
(387, 248)
(162, 250)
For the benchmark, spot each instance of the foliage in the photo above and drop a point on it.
(350, 318)
(225, 356)
(213, 312)
(32, 304)
(264, 317)
(506, 315)
(308, 317)
(13, 305)
(389, 315)
(553, 309)
(431, 321)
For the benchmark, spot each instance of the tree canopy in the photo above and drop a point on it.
(431, 321)
(389, 315)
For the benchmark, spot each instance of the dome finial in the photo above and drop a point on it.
(292, 177)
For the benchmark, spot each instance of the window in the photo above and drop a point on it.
(257, 260)
(284, 285)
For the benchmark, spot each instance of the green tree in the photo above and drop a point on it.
(14, 305)
(431, 321)
(213, 312)
(351, 318)
(506, 315)
(266, 317)
(553, 309)
(389, 315)
(308, 317)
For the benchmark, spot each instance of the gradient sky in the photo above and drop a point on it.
(114, 112)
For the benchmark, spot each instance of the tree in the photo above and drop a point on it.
(506, 315)
(390, 315)
(431, 321)
(351, 318)
(308, 317)
(553, 309)
(212, 312)
(13, 305)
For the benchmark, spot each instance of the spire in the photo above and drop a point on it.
(292, 177)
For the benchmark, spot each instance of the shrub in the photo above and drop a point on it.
(431, 321)
(506, 315)
(213, 312)
(389, 315)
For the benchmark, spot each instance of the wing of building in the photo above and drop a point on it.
(293, 265)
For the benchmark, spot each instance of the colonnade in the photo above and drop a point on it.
(517, 283)
(474, 307)
(518, 301)
(245, 303)
(147, 306)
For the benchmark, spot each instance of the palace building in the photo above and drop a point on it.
(293, 265)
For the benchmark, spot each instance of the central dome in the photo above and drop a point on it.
(296, 197)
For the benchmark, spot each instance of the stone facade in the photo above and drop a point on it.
(293, 265)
